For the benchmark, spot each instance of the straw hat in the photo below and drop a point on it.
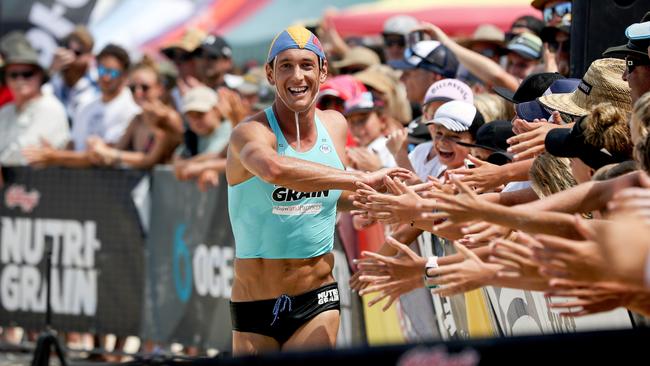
(601, 83)
(358, 56)
(487, 33)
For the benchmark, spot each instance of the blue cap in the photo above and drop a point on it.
(534, 110)
(295, 37)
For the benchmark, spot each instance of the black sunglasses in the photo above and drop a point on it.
(145, 88)
(632, 63)
(554, 46)
(21, 74)
(394, 41)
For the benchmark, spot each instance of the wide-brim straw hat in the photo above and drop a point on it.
(602, 82)
(486, 33)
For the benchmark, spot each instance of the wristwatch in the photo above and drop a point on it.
(432, 262)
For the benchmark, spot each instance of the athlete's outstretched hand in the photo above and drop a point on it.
(376, 179)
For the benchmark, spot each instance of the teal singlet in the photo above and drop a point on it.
(270, 221)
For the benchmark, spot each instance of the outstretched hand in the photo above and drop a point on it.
(464, 207)
(467, 275)
(391, 276)
(531, 143)
(400, 206)
(483, 177)
(375, 179)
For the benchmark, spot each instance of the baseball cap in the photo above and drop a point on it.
(448, 89)
(189, 42)
(342, 86)
(533, 110)
(637, 45)
(602, 83)
(528, 22)
(199, 99)
(526, 45)
(428, 55)
(638, 31)
(215, 45)
(358, 56)
(532, 87)
(364, 102)
(458, 116)
(570, 143)
(400, 24)
(295, 37)
(493, 136)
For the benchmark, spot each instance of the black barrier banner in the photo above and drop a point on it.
(190, 250)
(45, 22)
(88, 219)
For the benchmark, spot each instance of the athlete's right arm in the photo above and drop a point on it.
(254, 145)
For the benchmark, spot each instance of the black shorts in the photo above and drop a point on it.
(280, 318)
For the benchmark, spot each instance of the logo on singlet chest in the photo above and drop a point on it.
(282, 194)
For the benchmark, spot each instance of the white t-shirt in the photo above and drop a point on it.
(516, 186)
(75, 97)
(424, 167)
(378, 146)
(42, 118)
(105, 120)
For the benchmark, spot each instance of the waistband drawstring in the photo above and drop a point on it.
(283, 301)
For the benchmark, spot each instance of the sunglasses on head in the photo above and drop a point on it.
(559, 10)
(632, 63)
(21, 74)
(145, 88)
(104, 71)
(394, 41)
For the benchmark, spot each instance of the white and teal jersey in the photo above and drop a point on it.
(270, 221)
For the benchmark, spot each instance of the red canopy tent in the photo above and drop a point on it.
(459, 17)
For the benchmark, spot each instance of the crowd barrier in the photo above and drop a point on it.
(134, 253)
(143, 254)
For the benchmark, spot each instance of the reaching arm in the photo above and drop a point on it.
(588, 196)
(488, 71)
(253, 145)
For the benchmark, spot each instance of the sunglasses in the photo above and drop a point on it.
(181, 56)
(559, 10)
(632, 63)
(555, 46)
(145, 88)
(112, 73)
(394, 41)
(75, 51)
(21, 74)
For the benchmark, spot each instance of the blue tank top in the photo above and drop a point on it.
(270, 221)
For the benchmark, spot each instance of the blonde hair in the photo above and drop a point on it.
(550, 174)
(641, 122)
(606, 127)
(493, 107)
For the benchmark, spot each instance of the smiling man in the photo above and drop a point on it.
(285, 174)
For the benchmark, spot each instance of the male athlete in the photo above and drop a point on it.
(285, 174)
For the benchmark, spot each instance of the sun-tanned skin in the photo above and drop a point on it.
(252, 152)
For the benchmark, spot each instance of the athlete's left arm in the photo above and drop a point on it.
(337, 127)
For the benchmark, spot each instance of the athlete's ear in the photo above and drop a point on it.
(323, 72)
(268, 68)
